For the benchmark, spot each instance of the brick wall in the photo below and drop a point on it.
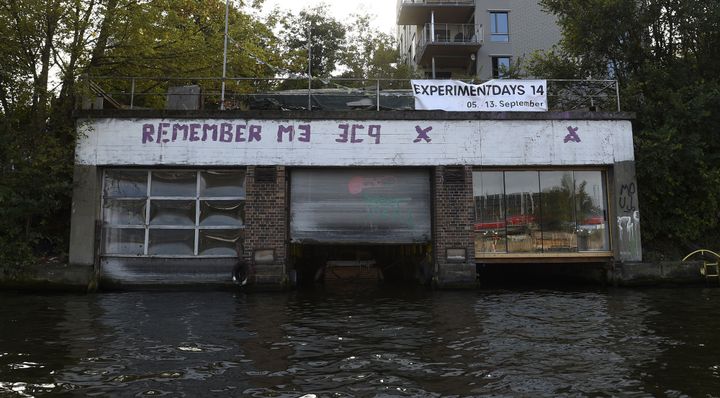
(453, 224)
(266, 221)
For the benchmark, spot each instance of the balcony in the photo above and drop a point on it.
(417, 12)
(451, 44)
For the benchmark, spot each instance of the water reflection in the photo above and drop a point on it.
(354, 342)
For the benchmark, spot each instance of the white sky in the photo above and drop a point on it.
(383, 10)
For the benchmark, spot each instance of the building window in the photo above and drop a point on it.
(500, 67)
(173, 213)
(499, 29)
(540, 212)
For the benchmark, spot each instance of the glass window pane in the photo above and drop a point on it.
(174, 183)
(558, 211)
(222, 213)
(499, 29)
(171, 242)
(219, 242)
(172, 212)
(591, 210)
(124, 212)
(222, 183)
(503, 64)
(488, 191)
(522, 198)
(124, 241)
(125, 184)
(501, 23)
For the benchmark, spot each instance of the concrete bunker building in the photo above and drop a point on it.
(165, 196)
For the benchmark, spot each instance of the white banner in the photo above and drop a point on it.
(492, 96)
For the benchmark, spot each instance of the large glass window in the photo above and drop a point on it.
(540, 212)
(173, 213)
(490, 210)
(499, 27)
(557, 211)
(591, 212)
(523, 216)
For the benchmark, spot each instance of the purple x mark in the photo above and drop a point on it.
(422, 134)
(572, 135)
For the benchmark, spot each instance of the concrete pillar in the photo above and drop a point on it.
(84, 230)
(85, 213)
(266, 225)
(453, 218)
(628, 246)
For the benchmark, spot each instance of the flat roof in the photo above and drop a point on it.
(350, 115)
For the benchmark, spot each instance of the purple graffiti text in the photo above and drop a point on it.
(303, 134)
(350, 133)
(163, 133)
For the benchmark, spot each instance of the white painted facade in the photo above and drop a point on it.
(122, 142)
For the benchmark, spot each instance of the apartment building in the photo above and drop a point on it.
(471, 38)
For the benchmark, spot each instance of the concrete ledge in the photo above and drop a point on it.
(457, 276)
(52, 277)
(81, 278)
(269, 277)
(650, 274)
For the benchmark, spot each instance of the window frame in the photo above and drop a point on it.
(497, 36)
(578, 253)
(496, 66)
(197, 198)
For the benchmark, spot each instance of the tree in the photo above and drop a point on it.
(370, 53)
(664, 54)
(326, 36)
(46, 47)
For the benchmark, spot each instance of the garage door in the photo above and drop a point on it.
(360, 206)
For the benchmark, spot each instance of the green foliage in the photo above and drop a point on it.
(326, 36)
(370, 53)
(353, 49)
(664, 54)
(48, 45)
(182, 40)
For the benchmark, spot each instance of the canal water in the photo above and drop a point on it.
(363, 342)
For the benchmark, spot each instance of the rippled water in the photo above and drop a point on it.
(363, 342)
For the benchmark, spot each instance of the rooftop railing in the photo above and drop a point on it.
(195, 93)
(452, 2)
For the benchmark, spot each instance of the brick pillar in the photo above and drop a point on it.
(453, 225)
(266, 223)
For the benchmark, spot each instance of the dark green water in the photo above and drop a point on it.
(363, 342)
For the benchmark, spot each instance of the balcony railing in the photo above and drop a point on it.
(448, 40)
(449, 2)
(288, 94)
(443, 33)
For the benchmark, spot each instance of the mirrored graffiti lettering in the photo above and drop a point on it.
(351, 133)
(626, 202)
